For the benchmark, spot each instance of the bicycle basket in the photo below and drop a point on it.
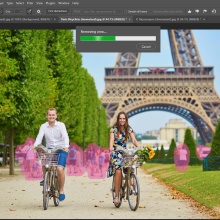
(128, 160)
(49, 158)
(140, 160)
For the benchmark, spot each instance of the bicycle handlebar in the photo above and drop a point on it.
(126, 151)
(46, 150)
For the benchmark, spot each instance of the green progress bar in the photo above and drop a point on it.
(117, 38)
(97, 38)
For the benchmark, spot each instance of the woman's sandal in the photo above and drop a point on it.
(116, 200)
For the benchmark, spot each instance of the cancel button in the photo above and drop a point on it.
(146, 46)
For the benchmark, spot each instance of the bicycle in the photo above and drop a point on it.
(130, 187)
(49, 160)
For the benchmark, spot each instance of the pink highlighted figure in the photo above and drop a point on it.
(102, 163)
(181, 157)
(202, 151)
(19, 155)
(96, 161)
(28, 160)
(75, 161)
(91, 160)
(107, 158)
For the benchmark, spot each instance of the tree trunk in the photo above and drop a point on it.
(12, 152)
(4, 157)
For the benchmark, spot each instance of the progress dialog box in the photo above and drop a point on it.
(117, 39)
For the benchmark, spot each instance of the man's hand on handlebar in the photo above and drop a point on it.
(66, 149)
(32, 147)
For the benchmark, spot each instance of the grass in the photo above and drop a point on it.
(202, 186)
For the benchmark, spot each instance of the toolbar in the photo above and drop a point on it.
(37, 9)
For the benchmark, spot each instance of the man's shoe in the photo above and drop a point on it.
(42, 183)
(61, 197)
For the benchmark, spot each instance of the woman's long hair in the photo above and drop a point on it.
(126, 126)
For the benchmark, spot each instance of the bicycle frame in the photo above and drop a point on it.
(49, 159)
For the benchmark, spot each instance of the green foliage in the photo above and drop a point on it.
(41, 69)
(146, 154)
(211, 163)
(215, 147)
(161, 154)
(190, 142)
(208, 144)
(157, 153)
(144, 137)
(103, 129)
(65, 65)
(25, 91)
(9, 86)
(138, 138)
(170, 153)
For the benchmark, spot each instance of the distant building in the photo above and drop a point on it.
(175, 129)
(155, 133)
(156, 144)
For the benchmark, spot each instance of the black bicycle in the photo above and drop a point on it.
(130, 187)
(49, 160)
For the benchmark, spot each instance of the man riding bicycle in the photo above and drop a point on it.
(56, 135)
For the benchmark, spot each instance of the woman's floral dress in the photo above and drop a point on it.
(116, 158)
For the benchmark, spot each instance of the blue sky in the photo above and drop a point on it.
(208, 42)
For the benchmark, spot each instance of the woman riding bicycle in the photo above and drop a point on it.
(119, 136)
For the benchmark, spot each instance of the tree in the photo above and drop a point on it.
(161, 154)
(41, 69)
(190, 142)
(170, 153)
(215, 147)
(65, 64)
(92, 105)
(104, 129)
(146, 137)
(157, 153)
(27, 84)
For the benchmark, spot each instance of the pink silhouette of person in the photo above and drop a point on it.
(26, 157)
(92, 161)
(101, 158)
(19, 155)
(75, 161)
(30, 159)
(202, 151)
(181, 157)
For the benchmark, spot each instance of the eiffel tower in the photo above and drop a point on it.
(185, 89)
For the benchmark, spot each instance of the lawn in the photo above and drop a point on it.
(202, 186)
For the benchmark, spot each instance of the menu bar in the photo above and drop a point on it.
(109, 11)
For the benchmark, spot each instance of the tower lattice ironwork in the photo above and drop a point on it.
(186, 89)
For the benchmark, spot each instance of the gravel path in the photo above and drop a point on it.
(90, 199)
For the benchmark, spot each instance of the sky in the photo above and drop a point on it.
(208, 43)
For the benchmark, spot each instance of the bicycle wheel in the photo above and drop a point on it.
(56, 200)
(46, 190)
(113, 193)
(133, 192)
